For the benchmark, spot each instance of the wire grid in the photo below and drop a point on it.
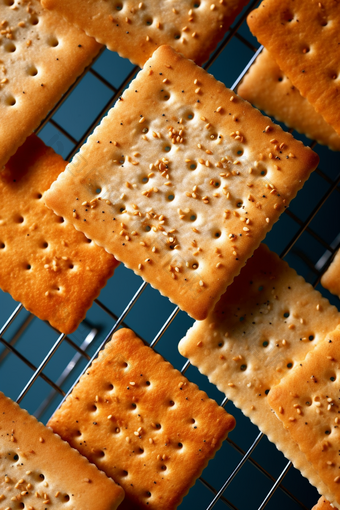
(85, 344)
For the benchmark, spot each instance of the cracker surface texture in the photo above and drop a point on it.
(188, 179)
(136, 29)
(303, 37)
(45, 263)
(40, 57)
(270, 90)
(307, 403)
(331, 278)
(142, 423)
(39, 470)
(264, 325)
(323, 504)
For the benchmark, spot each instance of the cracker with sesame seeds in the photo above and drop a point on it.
(307, 403)
(331, 278)
(40, 57)
(270, 90)
(38, 470)
(303, 37)
(188, 179)
(323, 504)
(136, 29)
(142, 423)
(266, 322)
(55, 271)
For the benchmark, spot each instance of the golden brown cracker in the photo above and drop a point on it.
(55, 271)
(136, 29)
(40, 57)
(38, 470)
(323, 504)
(270, 90)
(143, 423)
(303, 37)
(307, 403)
(265, 324)
(189, 176)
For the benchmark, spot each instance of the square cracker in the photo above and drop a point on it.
(265, 323)
(270, 90)
(39, 470)
(143, 423)
(189, 179)
(135, 29)
(40, 57)
(307, 403)
(303, 37)
(44, 262)
(331, 278)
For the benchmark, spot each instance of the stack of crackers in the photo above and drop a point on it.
(181, 182)
(296, 79)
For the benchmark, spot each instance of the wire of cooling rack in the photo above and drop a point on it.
(82, 355)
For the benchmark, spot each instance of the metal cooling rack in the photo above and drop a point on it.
(39, 367)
